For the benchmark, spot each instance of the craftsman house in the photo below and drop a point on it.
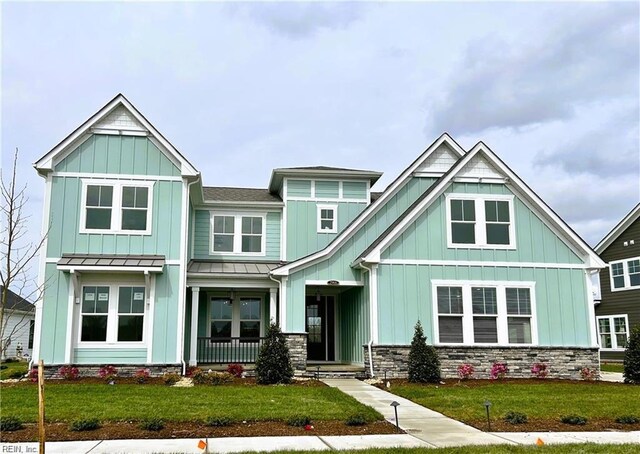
(619, 309)
(148, 267)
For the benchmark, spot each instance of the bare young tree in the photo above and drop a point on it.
(18, 254)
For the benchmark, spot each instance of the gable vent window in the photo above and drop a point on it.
(483, 221)
(625, 274)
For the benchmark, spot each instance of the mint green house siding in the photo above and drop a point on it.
(353, 323)
(110, 356)
(299, 188)
(55, 307)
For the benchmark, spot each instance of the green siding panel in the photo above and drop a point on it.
(165, 316)
(110, 356)
(298, 188)
(353, 331)
(55, 307)
(354, 190)
(327, 189)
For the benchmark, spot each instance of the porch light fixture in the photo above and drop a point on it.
(487, 405)
(395, 406)
(317, 295)
(231, 295)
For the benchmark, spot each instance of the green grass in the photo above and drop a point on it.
(542, 400)
(500, 449)
(17, 366)
(611, 367)
(66, 402)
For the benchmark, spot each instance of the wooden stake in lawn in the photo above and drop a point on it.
(41, 435)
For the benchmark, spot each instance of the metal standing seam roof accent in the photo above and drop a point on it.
(100, 260)
(232, 268)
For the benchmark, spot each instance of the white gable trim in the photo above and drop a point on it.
(530, 198)
(96, 124)
(618, 229)
(372, 209)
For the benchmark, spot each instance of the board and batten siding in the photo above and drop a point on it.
(352, 319)
(426, 237)
(202, 237)
(405, 295)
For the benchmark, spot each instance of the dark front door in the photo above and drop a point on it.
(320, 329)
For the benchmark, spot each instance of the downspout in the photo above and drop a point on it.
(370, 343)
(279, 295)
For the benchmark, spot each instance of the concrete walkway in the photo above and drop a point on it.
(432, 427)
(611, 376)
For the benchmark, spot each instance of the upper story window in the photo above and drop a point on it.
(238, 234)
(327, 218)
(116, 207)
(480, 221)
(625, 274)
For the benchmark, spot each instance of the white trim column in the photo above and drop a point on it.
(195, 305)
(272, 304)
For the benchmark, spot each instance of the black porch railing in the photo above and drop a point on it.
(226, 350)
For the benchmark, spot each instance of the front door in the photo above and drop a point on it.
(320, 329)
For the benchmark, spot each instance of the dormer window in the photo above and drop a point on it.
(327, 218)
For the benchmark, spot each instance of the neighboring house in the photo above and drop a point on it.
(145, 266)
(619, 309)
(19, 322)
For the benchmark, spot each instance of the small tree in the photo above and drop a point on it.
(273, 364)
(424, 365)
(632, 358)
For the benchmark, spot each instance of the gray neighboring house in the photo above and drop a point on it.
(19, 322)
(619, 309)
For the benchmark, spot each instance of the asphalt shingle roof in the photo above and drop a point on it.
(239, 195)
(16, 302)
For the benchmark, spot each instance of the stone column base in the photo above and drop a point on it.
(297, 343)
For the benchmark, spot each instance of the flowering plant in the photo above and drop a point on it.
(540, 370)
(69, 372)
(142, 375)
(588, 374)
(499, 371)
(108, 373)
(465, 371)
(33, 375)
(236, 370)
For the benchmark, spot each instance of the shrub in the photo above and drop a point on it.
(539, 370)
(588, 374)
(631, 363)
(574, 420)
(465, 371)
(170, 379)
(513, 417)
(356, 420)
(499, 371)
(142, 376)
(273, 364)
(153, 424)
(33, 375)
(82, 425)
(20, 374)
(218, 421)
(10, 423)
(191, 370)
(236, 370)
(108, 373)
(201, 377)
(299, 421)
(627, 419)
(424, 365)
(69, 372)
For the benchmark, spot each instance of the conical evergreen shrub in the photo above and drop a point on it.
(424, 365)
(273, 364)
(631, 363)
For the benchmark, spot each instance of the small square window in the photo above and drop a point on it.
(327, 219)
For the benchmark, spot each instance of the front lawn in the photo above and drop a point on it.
(17, 367)
(612, 367)
(123, 402)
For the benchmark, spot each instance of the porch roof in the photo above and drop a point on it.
(231, 269)
(115, 261)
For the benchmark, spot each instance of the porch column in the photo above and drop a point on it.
(272, 304)
(195, 304)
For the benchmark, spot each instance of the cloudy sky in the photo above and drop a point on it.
(553, 88)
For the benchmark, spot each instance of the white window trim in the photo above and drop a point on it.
(112, 316)
(467, 312)
(480, 223)
(614, 341)
(116, 205)
(235, 310)
(625, 271)
(333, 208)
(237, 233)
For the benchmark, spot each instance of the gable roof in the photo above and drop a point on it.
(629, 219)
(110, 119)
(253, 195)
(372, 209)
(17, 303)
(490, 163)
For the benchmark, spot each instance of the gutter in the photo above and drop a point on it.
(279, 295)
(370, 343)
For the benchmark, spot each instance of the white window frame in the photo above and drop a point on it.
(112, 315)
(626, 275)
(480, 222)
(235, 310)
(614, 340)
(334, 209)
(116, 205)
(468, 315)
(237, 233)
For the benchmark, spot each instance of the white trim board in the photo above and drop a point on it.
(629, 219)
(481, 263)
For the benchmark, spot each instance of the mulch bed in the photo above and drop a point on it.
(553, 425)
(249, 381)
(479, 383)
(131, 430)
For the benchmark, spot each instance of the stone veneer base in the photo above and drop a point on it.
(562, 362)
(297, 343)
(124, 370)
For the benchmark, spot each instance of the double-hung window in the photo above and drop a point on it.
(625, 274)
(613, 331)
(239, 317)
(480, 313)
(327, 218)
(115, 206)
(238, 234)
(480, 221)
